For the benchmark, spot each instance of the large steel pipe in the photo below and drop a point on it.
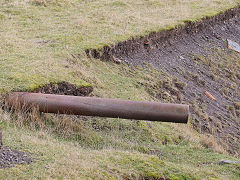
(90, 106)
(1, 143)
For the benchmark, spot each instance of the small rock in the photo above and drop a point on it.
(228, 162)
(116, 60)
(43, 41)
(233, 45)
(217, 36)
(181, 57)
(155, 152)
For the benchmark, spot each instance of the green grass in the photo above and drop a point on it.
(57, 157)
(43, 41)
(38, 36)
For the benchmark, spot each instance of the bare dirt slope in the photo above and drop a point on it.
(196, 59)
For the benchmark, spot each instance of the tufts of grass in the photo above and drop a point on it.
(38, 36)
(43, 41)
(112, 149)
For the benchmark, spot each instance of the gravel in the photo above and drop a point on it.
(10, 157)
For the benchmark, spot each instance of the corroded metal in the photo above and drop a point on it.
(1, 143)
(91, 106)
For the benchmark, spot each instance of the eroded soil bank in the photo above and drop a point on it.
(196, 59)
(64, 88)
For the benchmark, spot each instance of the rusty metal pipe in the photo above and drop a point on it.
(91, 106)
(1, 142)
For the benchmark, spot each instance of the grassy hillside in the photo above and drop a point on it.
(113, 149)
(38, 36)
(43, 41)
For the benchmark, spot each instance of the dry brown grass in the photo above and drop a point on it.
(201, 140)
(58, 157)
(209, 141)
(38, 36)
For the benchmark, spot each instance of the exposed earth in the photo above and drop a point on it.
(64, 88)
(200, 70)
(10, 157)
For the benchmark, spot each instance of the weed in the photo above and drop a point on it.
(44, 41)
(237, 105)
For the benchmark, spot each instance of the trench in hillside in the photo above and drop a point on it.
(196, 55)
(64, 88)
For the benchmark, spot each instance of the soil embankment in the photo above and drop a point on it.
(64, 88)
(204, 72)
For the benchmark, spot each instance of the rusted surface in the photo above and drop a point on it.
(1, 143)
(89, 106)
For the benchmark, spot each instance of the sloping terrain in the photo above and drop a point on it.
(198, 58)
(43, 46)
(39, 37)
